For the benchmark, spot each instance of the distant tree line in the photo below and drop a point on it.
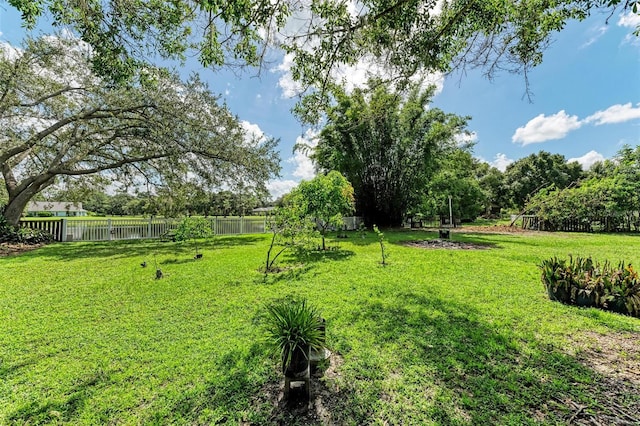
(608, 196)
(168, 203)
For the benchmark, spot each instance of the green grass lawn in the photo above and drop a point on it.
(88, 336)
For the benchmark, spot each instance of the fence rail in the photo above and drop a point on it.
(130, 229)
(593, 224)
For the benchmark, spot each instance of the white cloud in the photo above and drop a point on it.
(278, 188)
(595, 34)
(501, 161)
(587, 160)
(352, 76)
(466, 138)
(9, 52)
(253, 132)
(544, 128)
(615, 114)
(304, 166)
(302, 22)
(629, 20)
(289, 86)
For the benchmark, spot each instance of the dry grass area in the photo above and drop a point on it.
(616, 357)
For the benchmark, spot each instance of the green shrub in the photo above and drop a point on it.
(13, 234)
(193, 228)
(582, 282)
(291, 326)
(32, 236)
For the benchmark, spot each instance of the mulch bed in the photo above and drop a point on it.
(9, 249)
(447, 244)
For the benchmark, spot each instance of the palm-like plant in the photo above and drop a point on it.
(294, 327)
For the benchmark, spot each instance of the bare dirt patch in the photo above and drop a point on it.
(447, 244)
(616, 358)
(614, 354)
(326, 395)
(496, 229)
(10, 249)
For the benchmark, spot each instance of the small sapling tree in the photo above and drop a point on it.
(193, 228)
(290, 229)
(383, 249)
(326, 199)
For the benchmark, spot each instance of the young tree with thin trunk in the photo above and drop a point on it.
(326, 199)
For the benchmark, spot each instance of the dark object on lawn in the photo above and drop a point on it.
(144, 264)
(318, 356)
(294, 327)
(198, 256)
(159, 274)
(444, 234)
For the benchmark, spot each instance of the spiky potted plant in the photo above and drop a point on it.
(294, 328)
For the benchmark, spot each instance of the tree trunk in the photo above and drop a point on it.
(19, 200)
(14, 208)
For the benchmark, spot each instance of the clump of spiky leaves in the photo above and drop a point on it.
(583, 282)
(293, 326)
(624, 292)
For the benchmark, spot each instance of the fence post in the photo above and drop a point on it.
(149, 227)
(63, 232)
(241, 225)
(109, 229)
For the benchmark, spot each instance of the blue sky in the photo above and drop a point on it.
(585, 103)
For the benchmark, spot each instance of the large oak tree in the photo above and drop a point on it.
(60, 121)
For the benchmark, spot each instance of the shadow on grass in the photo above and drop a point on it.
(65, 410)
(134, 248)
(235, 394)
(289, 272)
(481, 376)
(293, 265)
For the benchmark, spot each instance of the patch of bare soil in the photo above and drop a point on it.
(447, 244)
(9, 249)
(616, 357)
(325, 396)
(496, 229)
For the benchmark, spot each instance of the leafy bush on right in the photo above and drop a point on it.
(582, 282)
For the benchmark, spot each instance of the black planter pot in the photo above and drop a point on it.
(617, 305)
(585, 300)
(559, 294)
(299, 366)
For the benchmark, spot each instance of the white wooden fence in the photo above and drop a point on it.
(129, 229)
